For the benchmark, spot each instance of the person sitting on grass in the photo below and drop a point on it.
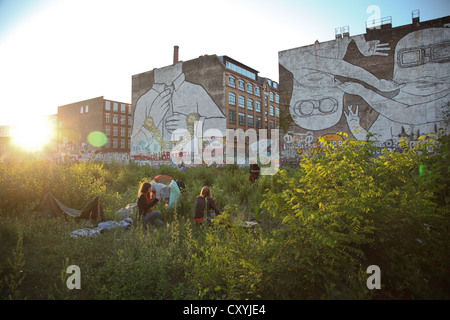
(205, 202)
(146, 200)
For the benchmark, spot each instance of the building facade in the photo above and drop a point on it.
(188, 105)
(389, 82)
(95, 124)
(252, 101)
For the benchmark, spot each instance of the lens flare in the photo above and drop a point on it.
(97, 138)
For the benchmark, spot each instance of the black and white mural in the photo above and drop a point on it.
(174, 113)
(391, 88)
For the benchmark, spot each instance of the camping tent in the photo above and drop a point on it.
(53, 208)
(166, 188)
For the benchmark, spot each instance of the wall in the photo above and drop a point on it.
(176, 97)
(391, 82)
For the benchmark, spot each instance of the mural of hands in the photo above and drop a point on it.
(175, 121)
(352, 117)
(162, 103)
(353, 122)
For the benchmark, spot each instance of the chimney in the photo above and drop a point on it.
(175, 55)
(415, 17)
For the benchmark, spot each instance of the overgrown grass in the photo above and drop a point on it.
(320, 226)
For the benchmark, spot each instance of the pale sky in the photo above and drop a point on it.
(56, 52)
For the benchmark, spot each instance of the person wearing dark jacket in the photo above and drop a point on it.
(146, 200)
(254, 172)
(205, 202)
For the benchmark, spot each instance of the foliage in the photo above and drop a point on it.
(319, 227)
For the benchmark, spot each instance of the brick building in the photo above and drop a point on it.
(95, 123)
(252, 101)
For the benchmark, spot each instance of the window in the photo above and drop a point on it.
(108, 143)
(232, 116)
(241, 85)
(108, 105)
(250, 120)
(122, 143)
(115, 131)
(231, 98)
(277, 98)
(122, 132)
(240, 70)
(258, 123)
(241, 101)
(249, 88)
(115, 107)
(123, 120)
(258, 91)
(271, 96)
(265, 101)
(107, 117)
(249, 104)
(232, 81)
(241, 119)
(272, 126)
(81, 109)
(258, 106)
(277, 112)
(115, 119)
(115, 143)
(271, 111)
(86, 109)
(107, 130)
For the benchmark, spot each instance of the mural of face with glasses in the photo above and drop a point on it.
(316, 101)
(422, 62)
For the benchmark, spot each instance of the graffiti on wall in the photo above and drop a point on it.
(408, 104)
(173, 105)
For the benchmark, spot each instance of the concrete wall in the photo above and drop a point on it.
(391, 82)
(171, 100)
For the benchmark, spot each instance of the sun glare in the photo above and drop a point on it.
(32, 134)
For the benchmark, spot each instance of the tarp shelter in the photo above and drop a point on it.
(166, 188)
(53, 208)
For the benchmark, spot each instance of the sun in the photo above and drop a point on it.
(32, 134)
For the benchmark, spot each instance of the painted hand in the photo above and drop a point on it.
(175, 121)
(352, 117)
(353, 121)
(160, 106)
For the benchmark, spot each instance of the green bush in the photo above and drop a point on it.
(319, 227)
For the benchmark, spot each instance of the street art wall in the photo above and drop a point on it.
(390, 83)
(175, 107)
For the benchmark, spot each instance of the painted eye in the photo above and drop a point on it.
(327, 105)
(304, 108)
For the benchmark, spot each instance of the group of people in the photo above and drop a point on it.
(205, 207)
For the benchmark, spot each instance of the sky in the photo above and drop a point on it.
(56, 52)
